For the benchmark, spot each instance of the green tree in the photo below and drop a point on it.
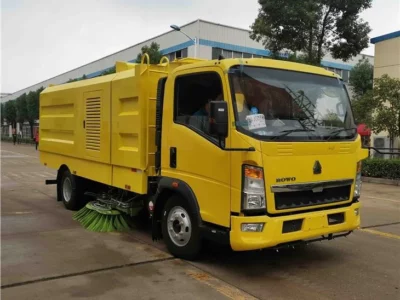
(33, 107)
(10, 113)
(22, 108)
(2, 113)
(108, 71)
(312, 27)
(363, 106)
(362, 77)
(386, 116)
(77, 79)
(153, 51)
(331, 118)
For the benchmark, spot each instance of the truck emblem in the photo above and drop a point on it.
(286, 179)
(317, 167)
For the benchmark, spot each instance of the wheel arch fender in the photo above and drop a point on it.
(168, 186)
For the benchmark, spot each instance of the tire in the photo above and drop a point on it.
(183, 240)
(69, 191)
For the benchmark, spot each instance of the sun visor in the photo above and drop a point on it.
(239, 101)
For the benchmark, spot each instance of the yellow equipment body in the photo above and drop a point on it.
(104, 130)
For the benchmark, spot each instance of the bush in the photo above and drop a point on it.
(22, 141)
(381, 168)
(6, 138)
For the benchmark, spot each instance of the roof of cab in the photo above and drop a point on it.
(259, 62)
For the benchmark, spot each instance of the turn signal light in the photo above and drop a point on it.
(251, 172)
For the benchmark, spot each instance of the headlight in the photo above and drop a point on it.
(357, 187)
(253, 188)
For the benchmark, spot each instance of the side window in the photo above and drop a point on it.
(192, 96)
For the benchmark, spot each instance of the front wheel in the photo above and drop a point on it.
(180, 229)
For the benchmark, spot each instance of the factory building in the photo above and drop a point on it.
(387, 61)
(203, 39)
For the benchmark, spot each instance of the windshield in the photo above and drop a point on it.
(272, 104)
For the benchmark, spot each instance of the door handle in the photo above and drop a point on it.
(172, 157)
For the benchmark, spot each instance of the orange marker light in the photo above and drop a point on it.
(253, 172)
(359, 167)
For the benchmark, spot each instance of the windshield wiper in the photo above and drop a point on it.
(286, 132)
(336, 132)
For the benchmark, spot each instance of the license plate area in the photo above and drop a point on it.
(315, 222)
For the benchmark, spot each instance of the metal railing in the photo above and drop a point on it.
(386, 153)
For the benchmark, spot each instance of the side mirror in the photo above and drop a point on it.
(219, 119)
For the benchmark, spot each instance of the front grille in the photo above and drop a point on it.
(288, 200)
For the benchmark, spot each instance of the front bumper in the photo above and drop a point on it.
(314, 224)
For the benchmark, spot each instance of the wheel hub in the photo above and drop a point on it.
(179, 226)
(67, 189)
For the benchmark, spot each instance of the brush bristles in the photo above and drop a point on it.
(100, 222)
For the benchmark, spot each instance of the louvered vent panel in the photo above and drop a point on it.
(93, 124)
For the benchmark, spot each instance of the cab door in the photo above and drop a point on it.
(190, 153)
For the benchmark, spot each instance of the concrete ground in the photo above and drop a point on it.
(47, 255)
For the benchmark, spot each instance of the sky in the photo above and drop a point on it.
(44, 38)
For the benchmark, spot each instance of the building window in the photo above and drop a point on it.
(237, 54)
(339, 72)
(216, 52)
(177, 54)
(227, 53)
(346, 75)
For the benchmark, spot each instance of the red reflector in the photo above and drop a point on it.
(128, 187)
(134, 170)
(175, 184)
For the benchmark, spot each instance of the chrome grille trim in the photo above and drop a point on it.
(317, 186)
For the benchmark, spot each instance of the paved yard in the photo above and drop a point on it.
(47, 255)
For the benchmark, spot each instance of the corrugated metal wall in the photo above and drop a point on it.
(170, 41)
(208, 35)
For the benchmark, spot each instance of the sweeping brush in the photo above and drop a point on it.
(95, 217)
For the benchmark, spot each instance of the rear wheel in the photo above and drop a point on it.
(69, 191)
(180, 229)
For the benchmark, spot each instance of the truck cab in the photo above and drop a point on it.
(256, 153)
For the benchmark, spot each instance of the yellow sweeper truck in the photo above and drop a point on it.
(254, 153)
